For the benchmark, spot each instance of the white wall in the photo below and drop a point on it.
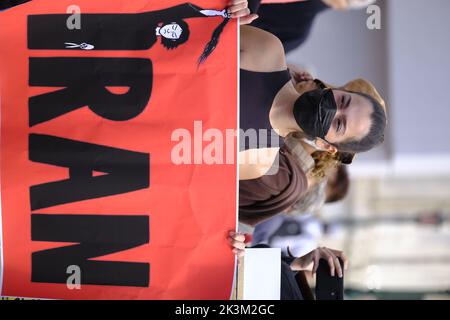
(419, 55)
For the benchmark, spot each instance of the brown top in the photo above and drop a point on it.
(269, 195)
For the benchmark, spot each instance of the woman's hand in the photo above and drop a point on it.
(299, 75)
(330, 255)
(239, 9)
(305, 86)
(237, 241)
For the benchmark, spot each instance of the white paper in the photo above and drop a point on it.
(262, 274)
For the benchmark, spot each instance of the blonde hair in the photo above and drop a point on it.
(324, 162)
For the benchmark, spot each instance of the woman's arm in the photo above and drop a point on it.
(261, 51)
(237, 242)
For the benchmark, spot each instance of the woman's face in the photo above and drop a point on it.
(353, 117)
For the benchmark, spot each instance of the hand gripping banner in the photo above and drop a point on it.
(115, 118)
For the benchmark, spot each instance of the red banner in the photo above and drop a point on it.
(95, 101)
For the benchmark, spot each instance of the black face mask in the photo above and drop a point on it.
(314, 112)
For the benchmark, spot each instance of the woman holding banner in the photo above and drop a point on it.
(319, 127)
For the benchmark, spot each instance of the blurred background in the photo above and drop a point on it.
(395, 222)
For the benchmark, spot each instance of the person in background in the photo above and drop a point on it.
(332, 188)
(292, 20)
(290, 289)
(298, 230)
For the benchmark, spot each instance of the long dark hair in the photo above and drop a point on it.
(212, 44)
(339, 185)
(376, 133)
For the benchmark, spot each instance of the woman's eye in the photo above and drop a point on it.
(338, 125)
